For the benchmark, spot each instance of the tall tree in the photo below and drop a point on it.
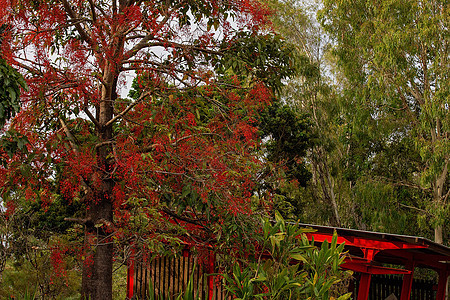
(117, 155)
(287, 134)
(311, 92)
(394, 55)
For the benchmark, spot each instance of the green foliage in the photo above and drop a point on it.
(288, 267)
(10, 84)
(312, 92)
(120, 280)
(34, 224)
(27, 296)
(203, 10)
(13, 142)
(34, 278)
(383, 207)
(395, 63)
(37, 256)
(289, 136)
(265, 57)
(50, 217)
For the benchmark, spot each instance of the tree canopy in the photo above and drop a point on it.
(142, 123)
(395, 57)
(180, 147)
(378, 162)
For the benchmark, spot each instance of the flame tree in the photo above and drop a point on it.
(184, 142)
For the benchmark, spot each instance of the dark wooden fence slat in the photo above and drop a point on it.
(384, 285)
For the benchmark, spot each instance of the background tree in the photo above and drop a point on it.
(288, 135)
(366, 156)
(314, 92)
(395, 58)
(116, 155)
(39, 258)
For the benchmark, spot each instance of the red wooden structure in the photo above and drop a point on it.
(368, 252)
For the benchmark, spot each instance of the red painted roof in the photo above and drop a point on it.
(389, 248)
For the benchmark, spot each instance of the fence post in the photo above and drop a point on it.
(211, 262)
(130, 274)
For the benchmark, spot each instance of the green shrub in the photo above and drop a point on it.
(294, 269)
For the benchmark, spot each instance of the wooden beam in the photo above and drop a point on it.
(421, 259)
(367, 243)
(407, 281)
(364, 286)
(442, 285)
(371, 269)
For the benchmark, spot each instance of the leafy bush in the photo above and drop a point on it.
(289, 267)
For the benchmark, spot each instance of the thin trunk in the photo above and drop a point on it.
(332, 196)
(438, 237)
(438, 198)
(323, 174)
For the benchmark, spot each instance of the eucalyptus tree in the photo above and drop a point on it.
(395, 59)
(313, 92)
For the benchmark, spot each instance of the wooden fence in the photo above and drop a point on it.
(169, 276)
(381, 286)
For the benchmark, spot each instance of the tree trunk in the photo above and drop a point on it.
(320, 166)
(438, 198)
(98, 266)
(438, 238)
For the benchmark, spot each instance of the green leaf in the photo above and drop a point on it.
(345, 297)
(298, 257)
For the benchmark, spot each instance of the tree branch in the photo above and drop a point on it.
(184, 219)
(415, 208)
(152, 147)
(94, 15)
(86, 221)
(126, 110)
(75, 148)
(190, 47)
(80, 29)
(144, 42)
(103, 144)
(69, 135)
(91, 117)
